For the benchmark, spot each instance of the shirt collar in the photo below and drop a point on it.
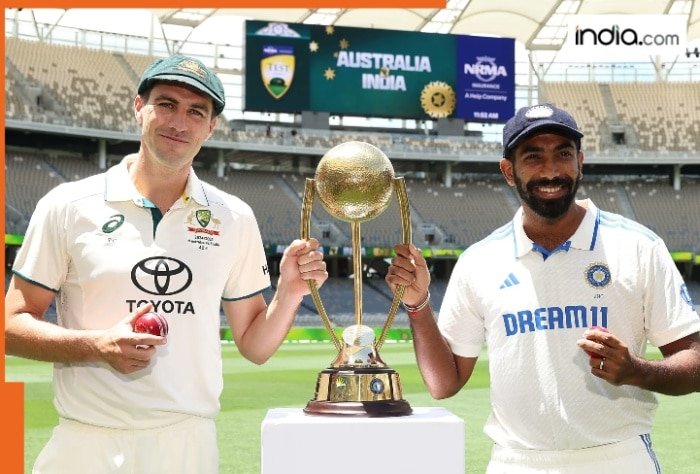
(119, 187)
(583, 239)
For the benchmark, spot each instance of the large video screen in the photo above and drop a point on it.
(378, 73)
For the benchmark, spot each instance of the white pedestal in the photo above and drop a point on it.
(430, 440)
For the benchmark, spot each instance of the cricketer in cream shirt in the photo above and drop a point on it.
(105, 250)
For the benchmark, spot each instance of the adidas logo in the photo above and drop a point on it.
(509, 281)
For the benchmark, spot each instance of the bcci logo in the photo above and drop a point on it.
(438, 99)
(539, 112)
(277, 69)
(598, 275)
(376, 386)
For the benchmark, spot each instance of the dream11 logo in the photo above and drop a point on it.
(621, 36)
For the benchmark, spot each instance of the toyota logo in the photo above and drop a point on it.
(161, 276)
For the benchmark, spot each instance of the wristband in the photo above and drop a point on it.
(413, 310)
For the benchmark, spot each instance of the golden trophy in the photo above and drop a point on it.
(355, 181)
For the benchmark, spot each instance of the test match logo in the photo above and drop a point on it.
(598, 275)
(277, 69)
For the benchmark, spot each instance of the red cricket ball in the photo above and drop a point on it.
(151, 323)
(599, 328)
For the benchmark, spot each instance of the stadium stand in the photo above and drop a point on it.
(91, 89)
(322, 140)
(673, 215)
(14, 105)
(656, 117)
(31, 178)
(76, 86)
(70, 167)
(468, 211)
(665, 116)
(585, 102)
(608, 196)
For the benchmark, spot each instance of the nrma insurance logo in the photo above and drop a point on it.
(277, 69)
(485, 69)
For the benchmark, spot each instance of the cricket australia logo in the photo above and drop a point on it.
(203, 217)
(205, 227)
(277, 69)
(199, 221)
(598, 275)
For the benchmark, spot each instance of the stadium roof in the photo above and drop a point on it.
(540, 25)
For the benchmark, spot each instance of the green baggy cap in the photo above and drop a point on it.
(190, 71)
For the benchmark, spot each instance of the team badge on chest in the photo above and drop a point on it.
(203, 217)
(205, 229)
(598, 275)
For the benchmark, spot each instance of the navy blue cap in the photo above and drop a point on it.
(190, 71)
(529, 120)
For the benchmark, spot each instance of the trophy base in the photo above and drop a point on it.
(358, 391)
(382, 408)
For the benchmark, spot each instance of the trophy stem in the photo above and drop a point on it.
(305, 232)
(357, 268)
(405, 211)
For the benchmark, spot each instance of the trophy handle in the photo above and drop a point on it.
(402, 197)
(307, 205)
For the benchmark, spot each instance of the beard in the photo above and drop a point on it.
(548, 208)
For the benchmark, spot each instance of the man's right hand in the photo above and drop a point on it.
(125, 350)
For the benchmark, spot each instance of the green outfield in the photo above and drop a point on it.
(288, 380)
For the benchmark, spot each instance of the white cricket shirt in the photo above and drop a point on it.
(530, 310)
(106, 251)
